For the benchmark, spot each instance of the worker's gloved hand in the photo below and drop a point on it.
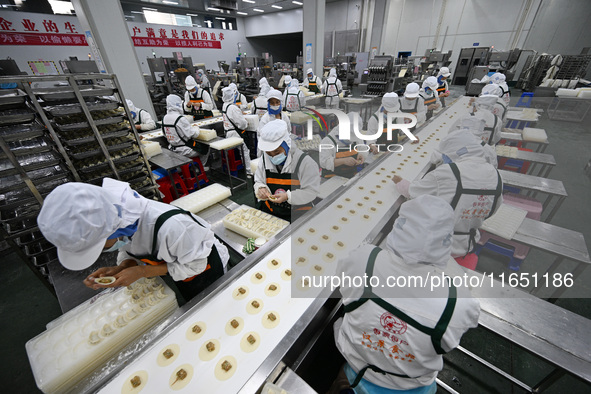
(196, 105)
(396, 178)
(279, 198)
(349, 161)
(263, 193)
(104, 271)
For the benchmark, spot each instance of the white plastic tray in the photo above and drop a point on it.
(203, 198)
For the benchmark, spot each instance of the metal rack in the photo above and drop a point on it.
(46, 133)
(379, 80)
(572, 67)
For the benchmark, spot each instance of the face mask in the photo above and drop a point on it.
(428, 90)
(119, 244)
(446, 159)
(133, 114)
(278, 159)
(274, 109)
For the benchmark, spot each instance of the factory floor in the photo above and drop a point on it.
(27, 306)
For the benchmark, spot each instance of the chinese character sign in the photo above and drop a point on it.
(174, 37)
(24, 28)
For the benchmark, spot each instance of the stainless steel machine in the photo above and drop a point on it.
(469, 58)
(379, 77)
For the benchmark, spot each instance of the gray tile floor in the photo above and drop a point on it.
(27, 306)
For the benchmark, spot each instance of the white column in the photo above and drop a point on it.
(105, 21)
(314, 34)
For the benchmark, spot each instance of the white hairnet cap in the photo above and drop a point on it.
(412, 90)
(228, 94)
(431, 83)
(131, 106)
(80, 227)
(332, 72)
(309, 71)
(470, 122)
(233, 86)
(190, 83)
(294, 83)
(390, 102)
(287, 80)
(491, 89)
(423, 232)
(174, 101)
(263, 81)
(272, 135)
(460, 145)
(444, 71)
(264, 90)
(497, 78)
(274, 93)
(200, 72)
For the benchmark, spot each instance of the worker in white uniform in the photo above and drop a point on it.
(390, 104)
(499, 79)
(152, 238)
(240, 99)
(443, 89)
(483, 108)
(393, 338)
(179, 133)
(331, 88)
(141, 118)
(203, 81)
(430, 97)
(412, 103)
(465, 180)
(312, 82)
(287, 180)
(286, 82)
(197, 101)
(259, 106)
(235, 123)
(475, 125)
(500, 107)
(341, 158)
(293, 97)
(274, 111)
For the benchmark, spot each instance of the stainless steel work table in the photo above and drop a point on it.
(514, 135)
(561, 242)
(224, 151)
(546, 160)
(551, 187)
(215, 215)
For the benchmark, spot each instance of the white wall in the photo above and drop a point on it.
(560, 26)
(342, 15)
(284, 22)
(23, 53)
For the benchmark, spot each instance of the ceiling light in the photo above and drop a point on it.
(170, 2)
(257, 10)
(136, 12)
(149, 9)
(222, 19)
(276, 6)
(192, 15)
(297, 2)
(213, 9)
(241, 13)
(248, 1)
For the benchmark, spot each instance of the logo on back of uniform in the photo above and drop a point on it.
(481, 198)
(393, 324)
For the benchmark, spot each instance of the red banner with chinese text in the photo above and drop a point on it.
(167, 42)
(12, 38)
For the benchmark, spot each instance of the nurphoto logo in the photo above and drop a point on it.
(345, 129)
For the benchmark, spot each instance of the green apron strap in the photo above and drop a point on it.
(375, 369)
(459, 188)
(297, 168)
(443, 322)
(492, 131)
(498, 193)
(163, 218)
(367, 292)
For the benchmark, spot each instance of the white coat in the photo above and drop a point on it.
(294, 99)
(266, 118)
(410, 104)
(315, 78)
(327, 156)
(144, 119)
(243, 101)
(476, 173)
(331, 88)
(182, 243)
(204, 82)
(371, 335)
(207, 104)
(309, 176)
(484, 110)
(507, 95)
(183, 128)
(426, 96)
(260, 106)
(233, 118)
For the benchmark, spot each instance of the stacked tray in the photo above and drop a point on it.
(76, 108)
(11, 98)
(65, 93)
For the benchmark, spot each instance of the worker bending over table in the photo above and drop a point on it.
(287, 180)
(152, 238)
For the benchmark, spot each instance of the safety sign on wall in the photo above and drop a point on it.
(309, 53)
